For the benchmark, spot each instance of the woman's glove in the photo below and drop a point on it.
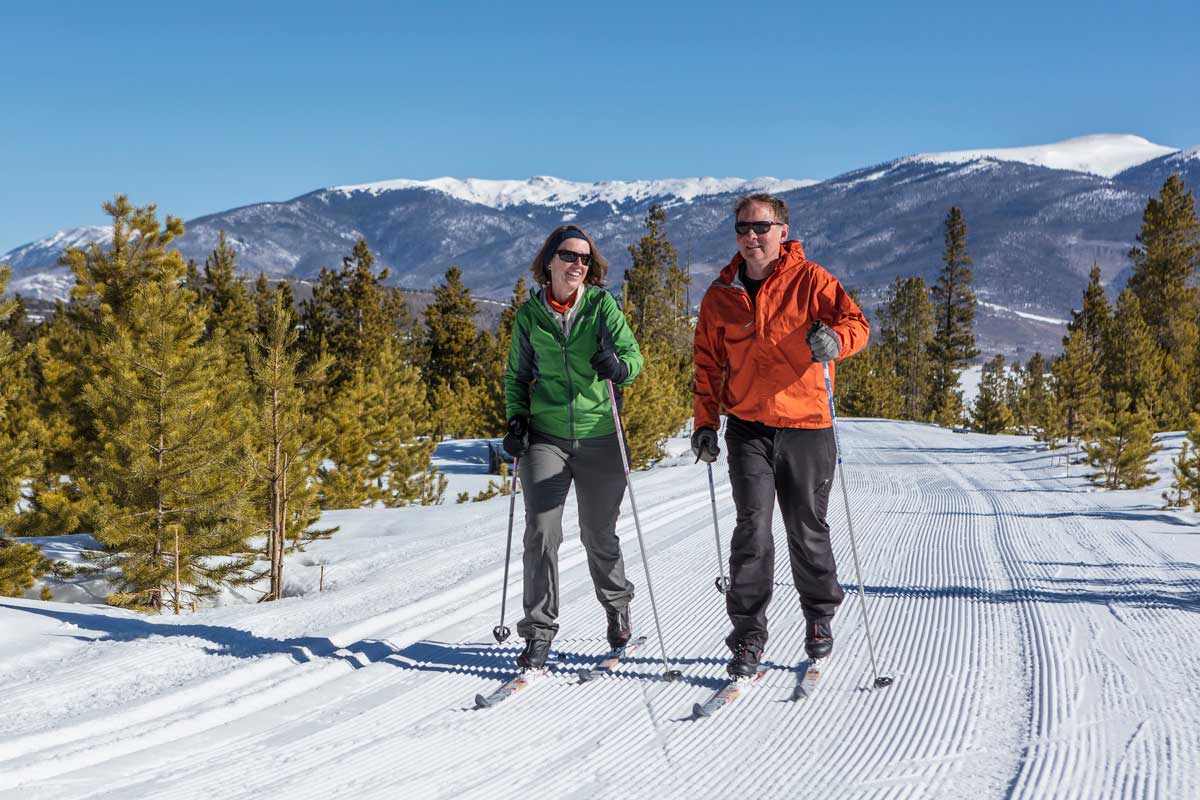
(516, 441)
(609, 366)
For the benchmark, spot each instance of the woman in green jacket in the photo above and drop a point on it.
(568, 340)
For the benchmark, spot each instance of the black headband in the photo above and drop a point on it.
(569, 233)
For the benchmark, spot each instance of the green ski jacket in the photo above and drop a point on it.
(549, 377)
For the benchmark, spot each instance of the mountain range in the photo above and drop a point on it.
(1038, 218)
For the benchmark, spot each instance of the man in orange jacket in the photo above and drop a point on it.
(766, 325)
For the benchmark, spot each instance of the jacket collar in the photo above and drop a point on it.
(791, 256)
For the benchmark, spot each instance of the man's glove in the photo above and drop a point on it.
(704, 445)
(516, 441)
(609, 366)
(824, 342)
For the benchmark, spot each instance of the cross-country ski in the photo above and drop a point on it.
(611, 661)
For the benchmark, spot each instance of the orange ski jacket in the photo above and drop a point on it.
(752, 358)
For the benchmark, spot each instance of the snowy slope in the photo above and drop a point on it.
(1100, 154)
(546, 190)
(1040, 634)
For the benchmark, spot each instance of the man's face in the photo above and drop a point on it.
(760, 249)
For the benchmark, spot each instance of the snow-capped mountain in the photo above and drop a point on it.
(1101, 154)
(1038, 218)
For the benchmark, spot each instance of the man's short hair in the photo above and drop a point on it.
(778, 207)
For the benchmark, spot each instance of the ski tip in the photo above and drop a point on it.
(481, 701)
(699, 711)
(882, 681)
(584, 674)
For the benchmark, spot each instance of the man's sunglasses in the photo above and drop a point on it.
(760, 228)
(569, 256)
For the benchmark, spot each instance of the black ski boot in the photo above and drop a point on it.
(744, 663)
(818, 640)
(620, 629)
(534, 655)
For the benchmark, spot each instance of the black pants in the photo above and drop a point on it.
(795, 464)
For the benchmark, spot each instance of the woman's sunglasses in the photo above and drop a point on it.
(760, 228)
(569, 256)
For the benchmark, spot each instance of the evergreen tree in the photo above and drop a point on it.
(1038, 410)
(351, 314)
(1094, 317)
(1077, 388)
(1122, 447)
(659, 402)
(1183, 477)
(453, 356)
(396, 421)
(172, 515)
(1132, 359)
(868, 385)
(20, 564)
(106, 278)
(953, 344)
(493, 416)
(349, 474)
(906, 333)
(285, 449)
(1190, 477)
(1167, 258)
(992, 413)
(655, 288)
(232, 315)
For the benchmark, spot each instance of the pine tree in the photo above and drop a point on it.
(1122, 446)
(953, 344)
(868, 386)
(349, 474)
(493, 416)
(1167, 259)
(452, 347)
(659, 401)
(655, 288)
(351, 314)
(395, 422)
(232, 316)
(992, 413)
(1133, 362)
(1077, 387)
(906, 333)
(1095, 315)
(285, 449)
(1190, 479)
(66, 357)
(1183, 477)
(20, 564)
(1038, 410)
(172, 516)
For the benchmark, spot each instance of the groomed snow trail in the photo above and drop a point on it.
(1040, 636)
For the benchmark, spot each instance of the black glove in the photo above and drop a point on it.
(704, 445)
(824, 342)
(516, 441)
(609, 366)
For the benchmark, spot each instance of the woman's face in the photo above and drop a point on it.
(566, 277)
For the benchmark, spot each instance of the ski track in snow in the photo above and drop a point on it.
(1036, 634)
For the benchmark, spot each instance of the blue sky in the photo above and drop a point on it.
(203, 107)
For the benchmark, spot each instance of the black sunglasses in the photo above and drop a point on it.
(760, 228)
(569, 256)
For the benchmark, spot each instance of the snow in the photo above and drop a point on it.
(544, 190)
(1100, 154)
(1040, 633)
(1023, 314)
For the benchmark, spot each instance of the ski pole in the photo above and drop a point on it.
(669, 674)
(722, 582)
(880, 680)
(501, 631)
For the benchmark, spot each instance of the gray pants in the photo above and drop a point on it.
(547, 472)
